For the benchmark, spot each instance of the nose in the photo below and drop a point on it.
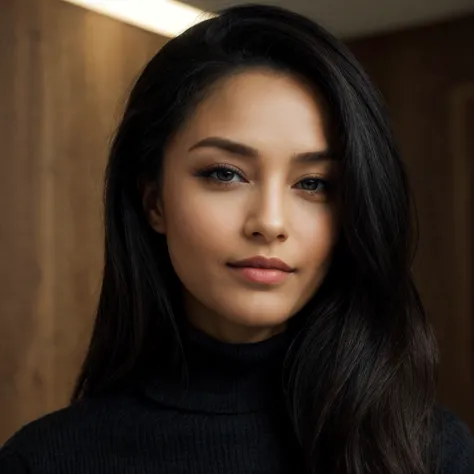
(266, 220)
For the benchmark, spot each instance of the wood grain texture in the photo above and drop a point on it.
(461, 121)
(64, 78)
(426, 76)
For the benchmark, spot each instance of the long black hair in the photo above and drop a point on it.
(359, 378)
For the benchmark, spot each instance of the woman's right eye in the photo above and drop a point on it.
(221, 174)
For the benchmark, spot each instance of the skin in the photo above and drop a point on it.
(268, 204)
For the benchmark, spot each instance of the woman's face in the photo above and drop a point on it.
(249, 174)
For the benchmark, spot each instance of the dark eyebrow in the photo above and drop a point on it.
(246, 151)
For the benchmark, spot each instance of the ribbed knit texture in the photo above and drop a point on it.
(231, 420)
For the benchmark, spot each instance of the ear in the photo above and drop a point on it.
(153, 207)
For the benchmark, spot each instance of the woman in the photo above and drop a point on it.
(257, 312)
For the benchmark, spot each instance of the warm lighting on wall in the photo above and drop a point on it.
(165, 17)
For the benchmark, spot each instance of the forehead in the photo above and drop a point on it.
(262, 108)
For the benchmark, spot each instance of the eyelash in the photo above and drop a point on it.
(207, 172)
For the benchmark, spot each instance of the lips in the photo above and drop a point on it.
(264, 263)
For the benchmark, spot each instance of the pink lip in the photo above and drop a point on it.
(269, 276)
(264, 270)
(263, 262)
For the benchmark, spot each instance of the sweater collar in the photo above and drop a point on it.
(224, 377)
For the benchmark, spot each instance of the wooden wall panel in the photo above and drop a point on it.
(427, 77)
(64, 76)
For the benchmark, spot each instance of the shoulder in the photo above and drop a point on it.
(11, 461)
(456, 443)
(58, 432)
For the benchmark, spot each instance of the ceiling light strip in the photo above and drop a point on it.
(165, 17)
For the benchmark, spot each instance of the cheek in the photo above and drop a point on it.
(318, 237)
(199, 228)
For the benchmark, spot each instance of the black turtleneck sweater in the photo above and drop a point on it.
(231, 420)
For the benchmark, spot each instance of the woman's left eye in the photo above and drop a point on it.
(313, 185)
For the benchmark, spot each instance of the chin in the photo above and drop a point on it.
(243, 328)
(257, 316)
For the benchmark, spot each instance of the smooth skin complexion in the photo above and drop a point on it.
(250, 173)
